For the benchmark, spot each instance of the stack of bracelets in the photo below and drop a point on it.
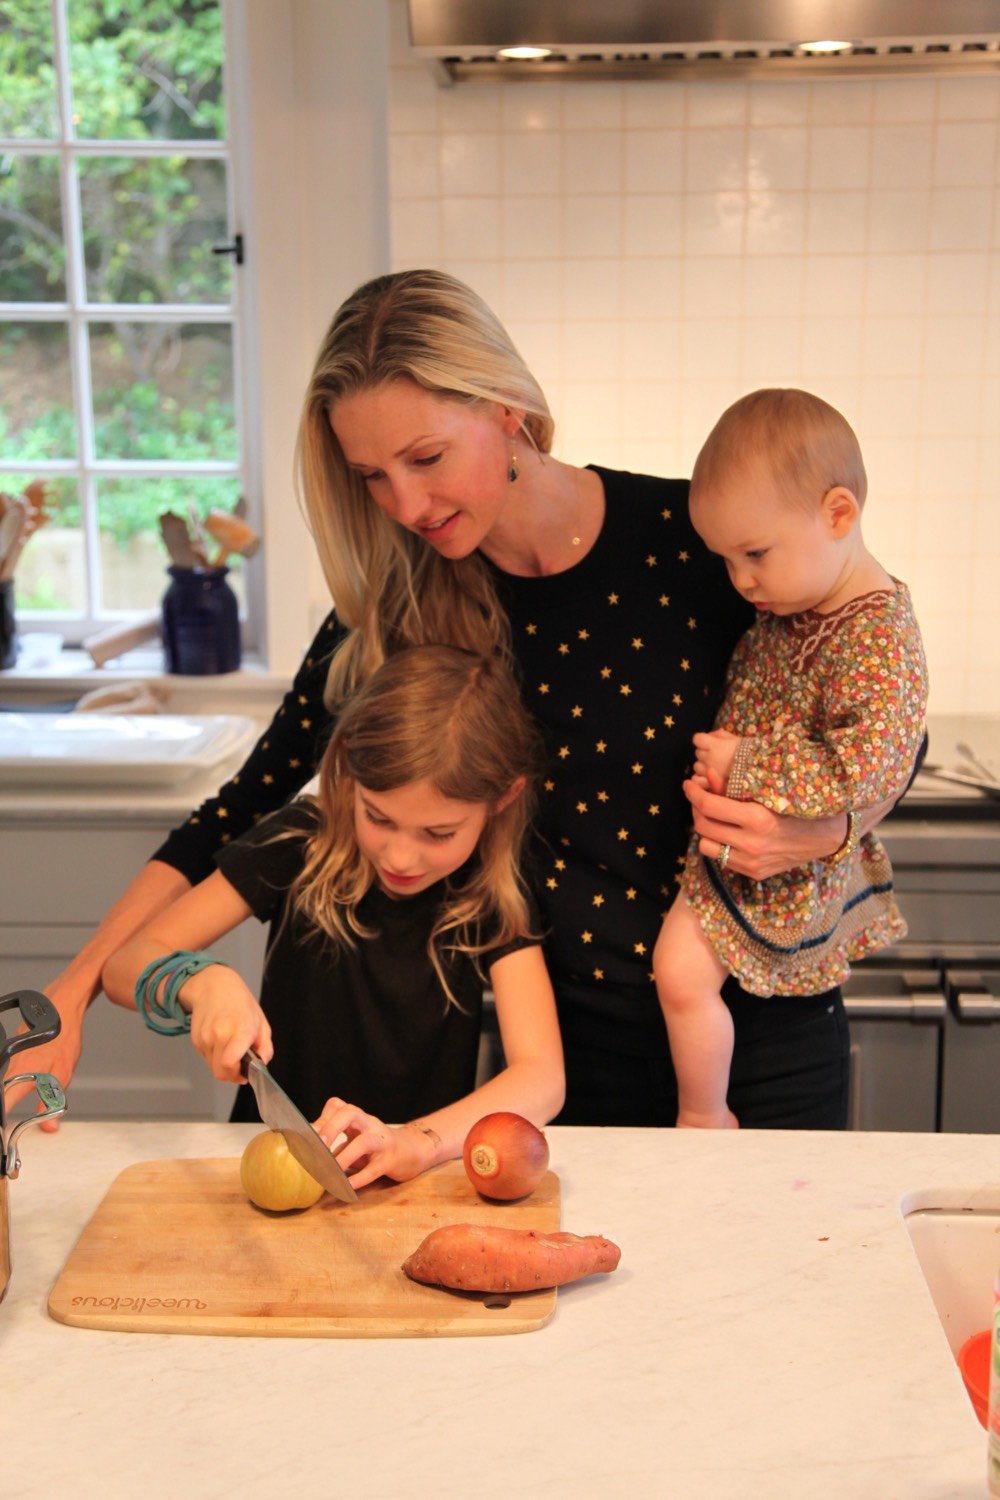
(167, 1015)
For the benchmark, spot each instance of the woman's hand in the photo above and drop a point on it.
(374, 1149)
(225, 1021)
(762, 843)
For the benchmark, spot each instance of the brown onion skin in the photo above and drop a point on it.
(513, 1146)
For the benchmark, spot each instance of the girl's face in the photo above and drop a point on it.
(413, 836)
(434, 466)
(782, 557)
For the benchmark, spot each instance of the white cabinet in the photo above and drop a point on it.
(57, 879)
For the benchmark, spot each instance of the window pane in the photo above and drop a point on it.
(149, 228)
(51, 574)
(151, 68)
(163, 391)
(36, 403)
(32, 258)
(133, 558)
(28, 97)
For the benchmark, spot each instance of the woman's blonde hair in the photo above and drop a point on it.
(388, 586)
(455, 719)
(805, 443)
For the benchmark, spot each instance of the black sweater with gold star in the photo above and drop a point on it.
(622, 659)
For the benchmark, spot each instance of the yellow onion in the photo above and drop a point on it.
(505, 1155)
(272, 1178)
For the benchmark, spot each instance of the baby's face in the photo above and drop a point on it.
(782, 557)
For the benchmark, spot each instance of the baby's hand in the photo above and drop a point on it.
(373, 1149)
(714, 752)
(225, 1020)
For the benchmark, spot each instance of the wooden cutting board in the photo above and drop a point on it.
(175, 1246)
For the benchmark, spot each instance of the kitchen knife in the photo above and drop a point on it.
(310, 1150)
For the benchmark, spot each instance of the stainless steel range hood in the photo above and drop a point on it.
(464, 39)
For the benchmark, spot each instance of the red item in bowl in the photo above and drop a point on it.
(974, 1363)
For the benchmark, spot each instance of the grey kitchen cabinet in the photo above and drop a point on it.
(57, 879)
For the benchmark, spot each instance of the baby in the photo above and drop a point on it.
(823, 712)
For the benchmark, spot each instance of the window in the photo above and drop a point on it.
(119, 334)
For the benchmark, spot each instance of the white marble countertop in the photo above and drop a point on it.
(768, 1335)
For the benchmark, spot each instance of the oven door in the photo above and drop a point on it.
(896, 1012)
(970, 1075)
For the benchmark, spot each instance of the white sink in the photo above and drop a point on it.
(120, 749)
(956, 1235)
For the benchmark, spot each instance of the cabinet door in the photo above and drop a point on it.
(125, 1070)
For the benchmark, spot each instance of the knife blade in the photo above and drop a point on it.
(309, 1149)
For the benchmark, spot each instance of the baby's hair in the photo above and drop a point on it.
(805, 443)
(456, 720)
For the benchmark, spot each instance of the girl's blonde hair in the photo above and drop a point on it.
(804, 442)
(388, 586)
(455, 719)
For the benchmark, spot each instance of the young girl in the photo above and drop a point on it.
(392, 895)
(823, 712)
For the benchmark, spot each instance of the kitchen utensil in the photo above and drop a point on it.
(233, 535)
(177, 540)
(978, 765)
(115, 640)
(176, 1247)
(43, 1023)
(13, 527)
(309, 1149)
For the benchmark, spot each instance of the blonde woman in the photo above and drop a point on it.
(440, 514)
(393, 896)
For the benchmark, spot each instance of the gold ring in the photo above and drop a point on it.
(722, 858)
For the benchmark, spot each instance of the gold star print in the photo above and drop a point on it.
(650, 561)
(622, 834)
(602, 796)
(625, 690)
(581, 807)
(294, 763)
(605, 672)
(640, 850)
(631, 893)
(226, 838)
(685, 664)
(550, 786)
(583, 635)
(601, 746)
(649, 733)
(577, 711)
(692, 623)
(303, 699)
(563, 751)
(665, 889)
(664, 599)
(654, 809)
(265, 745)
(677, 700)
(267, 778)
(560, 864)
(543, 688)
(531, 629)
(683, 557)
(563, 649)
(307, 723)
(194, 818)
(612, 598)
(668, 719)
(236, 778)
(222, 812)
(598, 900)
(637, 643)
(639, 948)
(552, 883)
(598, 973)
(637, 768)
(588, 937)
(666, 514)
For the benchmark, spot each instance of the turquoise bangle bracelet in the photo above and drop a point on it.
(167, 1016)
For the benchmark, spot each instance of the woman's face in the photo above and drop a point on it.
(434, 466)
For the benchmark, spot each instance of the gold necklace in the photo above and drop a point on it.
(577, 539)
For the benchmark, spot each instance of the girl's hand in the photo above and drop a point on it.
(762, 843)
(714, 752)
(225, 1020)
(373, 1149)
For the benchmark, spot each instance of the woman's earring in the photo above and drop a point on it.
(513, 469)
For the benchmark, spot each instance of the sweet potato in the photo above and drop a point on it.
(482, 1258)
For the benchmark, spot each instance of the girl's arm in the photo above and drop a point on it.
(225, 1016)
(532, 1084)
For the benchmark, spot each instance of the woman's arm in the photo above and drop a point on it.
(532, 1084)
(225, 1016)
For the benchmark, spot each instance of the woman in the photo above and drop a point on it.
(440, 515)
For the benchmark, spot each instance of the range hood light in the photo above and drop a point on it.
(817, 48)
(524, 54)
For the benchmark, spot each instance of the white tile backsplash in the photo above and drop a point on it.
(658, 248)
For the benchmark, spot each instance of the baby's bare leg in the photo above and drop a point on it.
(689, 978)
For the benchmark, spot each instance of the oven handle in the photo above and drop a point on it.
(923, 999)
(975, 999)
